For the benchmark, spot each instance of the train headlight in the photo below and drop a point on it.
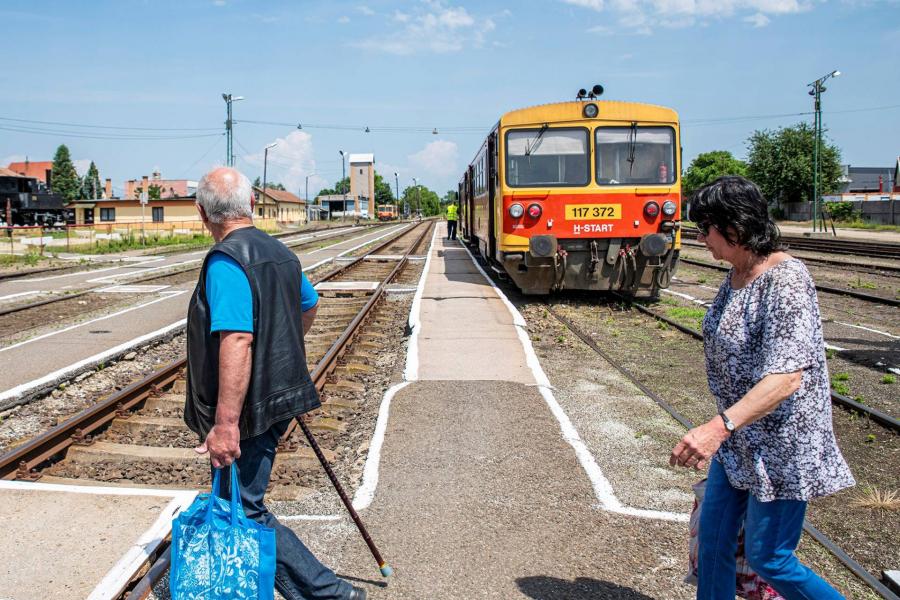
(669, 208)
(651, 209)
(591, 111)
(534, 211)
(516, 211)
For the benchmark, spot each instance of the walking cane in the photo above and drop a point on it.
(386, 570)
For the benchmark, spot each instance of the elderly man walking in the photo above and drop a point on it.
(247, 374)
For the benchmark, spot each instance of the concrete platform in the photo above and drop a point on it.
(79, 542)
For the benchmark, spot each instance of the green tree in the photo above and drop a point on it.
(272, 185)
(708, 167)
(384, 194)
(427, 200)
(780, 162)
(90, 185)
(340, 187)
(65, 180)
(154, 192)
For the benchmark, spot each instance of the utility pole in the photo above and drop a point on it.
(343, 176)
(816, 92)
(229, 127)
(397, 185)
(265, 164)
(418, 209)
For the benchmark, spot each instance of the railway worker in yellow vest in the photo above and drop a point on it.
(451, 221)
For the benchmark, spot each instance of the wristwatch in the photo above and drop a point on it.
(729, 424)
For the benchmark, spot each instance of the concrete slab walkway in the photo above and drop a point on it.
(480, 495)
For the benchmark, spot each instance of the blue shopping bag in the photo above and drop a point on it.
(218, 553)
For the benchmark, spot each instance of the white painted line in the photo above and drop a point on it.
(142, 272)
(357, 247)
(103, 318)
(411, 372)
(835, 348)
(131, 289)
(115, 580)
(309, 517)
(884, 333)
(602, 487)
(20, 294)
(73, 274)
(350, 286)
(60, 373)
(687, 297)
(97, 490)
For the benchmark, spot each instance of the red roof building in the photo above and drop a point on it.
(39, 170)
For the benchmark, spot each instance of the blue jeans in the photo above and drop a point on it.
(771, 533)
(298, 574)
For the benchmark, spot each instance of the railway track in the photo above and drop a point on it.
(829, 245)
(137, 436)
(857, 569)
(821, 288)
(74, 298)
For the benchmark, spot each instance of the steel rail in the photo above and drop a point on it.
(155, 276)
(830, 245)
(822, 288)
(817, 535)
(874, 414)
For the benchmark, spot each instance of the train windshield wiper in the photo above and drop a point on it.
(537, 140)
(632, 144)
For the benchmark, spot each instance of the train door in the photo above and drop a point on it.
(490, 159)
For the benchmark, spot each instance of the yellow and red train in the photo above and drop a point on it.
(578, 195)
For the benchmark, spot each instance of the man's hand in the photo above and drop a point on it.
(223, 444)
(700, 443)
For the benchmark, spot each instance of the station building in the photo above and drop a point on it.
(280, 205)
(360, 201)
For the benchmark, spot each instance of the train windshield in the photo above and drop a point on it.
(635, 155)
(547, 157)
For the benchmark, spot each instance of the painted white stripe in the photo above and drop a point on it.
(73, 274)
(348, 251)
(411, 372)
(309, 517)
(20, 294)
(142, 272)
(130, 289)
(602, 487)
(870, 330)
(103, 318)
(835, 348)
(687, 297)
(60, 373)
(96, 490)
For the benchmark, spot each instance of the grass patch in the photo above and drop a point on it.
(859, 284)
(840, 377)
(840, 387)
(830, 353)
(134, 243)
(687, 315)
(888, 379)
(876, 499)
(28, 259)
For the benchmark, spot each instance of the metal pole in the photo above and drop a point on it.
(818, 124)
(229, 151)
(397, 185)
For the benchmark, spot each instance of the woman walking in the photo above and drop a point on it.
(771, 448)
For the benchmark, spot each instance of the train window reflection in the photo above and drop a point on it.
(635, 155)
(547, 157)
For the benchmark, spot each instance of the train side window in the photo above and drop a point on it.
(635, 155)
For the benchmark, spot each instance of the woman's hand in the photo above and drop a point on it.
(697, 447)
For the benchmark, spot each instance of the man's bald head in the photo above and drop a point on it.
(224, 193)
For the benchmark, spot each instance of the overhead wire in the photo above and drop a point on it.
(91, 126)
(100, 136)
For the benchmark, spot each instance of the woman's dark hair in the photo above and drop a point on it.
(737, 209)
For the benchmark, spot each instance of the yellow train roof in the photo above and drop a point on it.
(572, 111)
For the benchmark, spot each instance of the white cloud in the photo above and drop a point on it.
(432, 28)
(641, 16)
(757, 20)
(219, 2)
(4, 162)
(344, 19)
(438, 158)
(365, 10)
(290, 162)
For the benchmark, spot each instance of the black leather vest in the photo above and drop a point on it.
(280, 386)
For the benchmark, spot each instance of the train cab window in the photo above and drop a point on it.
(547, 157)
(635, 155)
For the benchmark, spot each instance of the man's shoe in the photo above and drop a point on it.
(357, 593)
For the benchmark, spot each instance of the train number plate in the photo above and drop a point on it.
(593, 212)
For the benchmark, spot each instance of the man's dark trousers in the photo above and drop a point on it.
(451, 230)
(298, 574)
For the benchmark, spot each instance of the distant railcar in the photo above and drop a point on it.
(24, 202)
(579, 195)
(387, 212)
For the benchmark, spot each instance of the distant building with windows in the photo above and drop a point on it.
(868, 180)
(280, 205)
(362, 183)
(121, 210)
(168, 188)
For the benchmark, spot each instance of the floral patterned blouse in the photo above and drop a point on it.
(772, 325)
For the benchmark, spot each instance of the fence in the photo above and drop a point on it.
(881, 212)
(107, 237)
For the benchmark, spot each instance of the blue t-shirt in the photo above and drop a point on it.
(230, 299)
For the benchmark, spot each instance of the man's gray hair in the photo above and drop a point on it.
(224, 194)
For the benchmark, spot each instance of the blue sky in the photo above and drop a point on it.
(405, 68)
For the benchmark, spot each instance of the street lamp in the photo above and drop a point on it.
(816, 92)
(397, 187)
(229, 123)
(265, 164)
(418, 209)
